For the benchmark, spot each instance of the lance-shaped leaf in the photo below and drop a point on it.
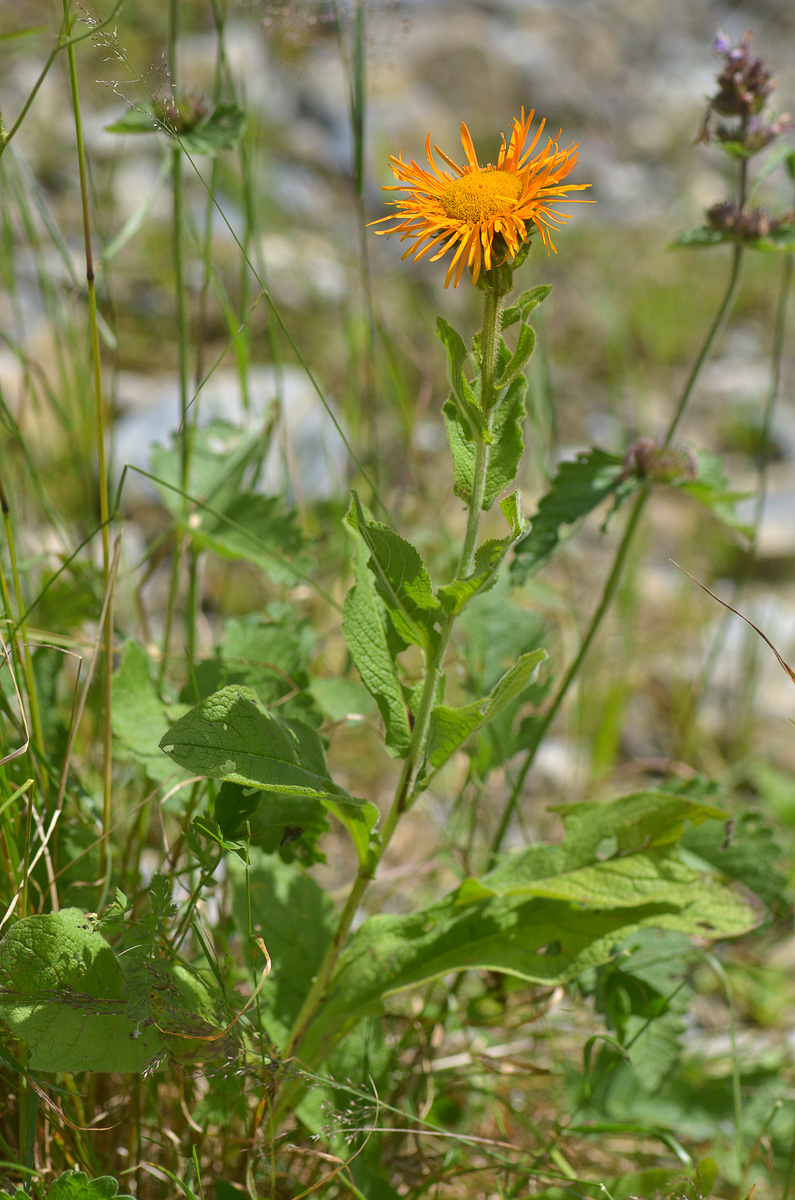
(230, 735)
(519, 359)
(505, 451)
(363, 624)
(61, 992)
(400, 577)
(525, 304)
(545, 915)
(488, 557)
(488, 560)
(462, 395)
(450, 727)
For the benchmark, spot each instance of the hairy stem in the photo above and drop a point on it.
(409, 786)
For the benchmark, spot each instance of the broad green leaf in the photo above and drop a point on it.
(450, 727)
(75, 1185)
(547, 914)
(139, 714)
(61, 992)
(219, 130)
(269, 652)
(367, 639)
(223, 462)
(230, 735)
(780, 240)
(600, 832)
(135, 120)
(493, 634)
(577, 489)
(525, 304)
(698, 238)
(340, 699)
(537, 939)
(506, 451)
(400, 577)
(744, 848)
(257, 529)
(520, 358)
(293, 824)
(295, 918)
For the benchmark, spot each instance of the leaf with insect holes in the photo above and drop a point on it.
(544, 915)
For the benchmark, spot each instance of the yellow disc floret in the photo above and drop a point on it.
(481, 194)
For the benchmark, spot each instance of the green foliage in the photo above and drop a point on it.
(214, 131)
(544, 915)
(451, 727)
(232, 736)
(401, 579)
(368, 631)
(61, 993)
(140, 715)
(75, 1185)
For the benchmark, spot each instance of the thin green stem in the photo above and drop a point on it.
(99, 419)
(187, 418)
(688, 723)
(18, 635)
(622, 553)
(409, 785)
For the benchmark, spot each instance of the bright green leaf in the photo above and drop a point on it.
(75, 1185)
(230, 735)
(450, 727)
(61, 993)
(520, 358)
(363, 625)
(400, 577)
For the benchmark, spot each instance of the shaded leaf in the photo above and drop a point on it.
(230, 735)
(400, 577)
(577, 489)
(363, 625)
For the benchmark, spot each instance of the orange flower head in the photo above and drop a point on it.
(465, 211)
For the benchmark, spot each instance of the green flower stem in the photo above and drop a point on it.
(613, 579)
(99, 416)
(408, 789)
(187, 419)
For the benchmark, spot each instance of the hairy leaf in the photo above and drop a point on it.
(363, 624)
(61, 993)
(450, 727)
(230, 735)
(400, 577)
